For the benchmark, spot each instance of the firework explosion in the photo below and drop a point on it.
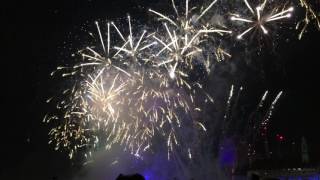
(261, 17)
(140, 90)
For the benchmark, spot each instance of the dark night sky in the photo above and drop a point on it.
(32, 35)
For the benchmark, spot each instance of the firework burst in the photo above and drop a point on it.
(262, 15)
(183, 39)
(122, 100)
(140, 90)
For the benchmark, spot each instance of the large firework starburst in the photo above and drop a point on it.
(260, 18)
(140, 90)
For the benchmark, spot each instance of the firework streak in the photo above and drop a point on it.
(139, 91)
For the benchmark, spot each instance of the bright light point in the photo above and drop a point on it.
(172, 74)
(265, 31)
(291, 9)
(232, 18)
(137, 155)
(288, 15)
(258, 8)
(189, 153)
(239, 37)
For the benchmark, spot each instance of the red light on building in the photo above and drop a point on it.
(280, 137)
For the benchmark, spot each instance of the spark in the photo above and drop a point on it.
(102, 43)
(265, 122)
(260, 18)
(189, 153)
(134, 48)
(229, 102)
(263, 99)
(310, 15)
(181, 48)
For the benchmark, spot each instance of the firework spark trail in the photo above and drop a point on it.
(265, 122)
(134, 47)
(183, 47)
(229, 103)
(262, 100)
(257, 126)
(144, 121)
(262, 125)
(252, 126)
(221, 54)
(260, 18)
(310, 15)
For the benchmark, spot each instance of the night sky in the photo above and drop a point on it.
(33, 34)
